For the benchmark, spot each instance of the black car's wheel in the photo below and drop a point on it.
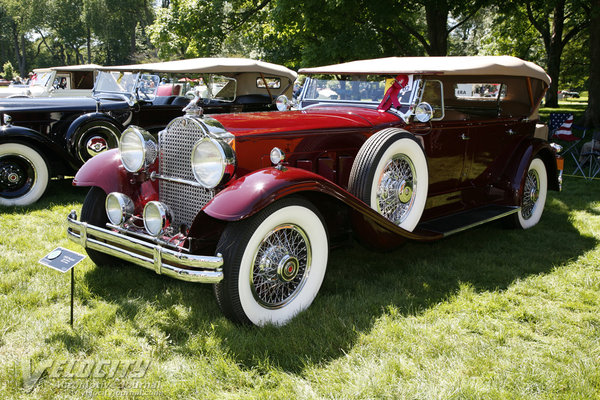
(390, 174)
(95, 137)
(23, 175)
(274, 263)
(533, 199)
(93, 212)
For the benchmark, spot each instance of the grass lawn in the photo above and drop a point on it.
(488, 313)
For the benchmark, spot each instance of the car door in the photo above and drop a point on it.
(445, 149)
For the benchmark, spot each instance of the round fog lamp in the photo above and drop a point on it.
(157, 217)
(119, 208)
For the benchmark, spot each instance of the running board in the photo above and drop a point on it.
(467, 219)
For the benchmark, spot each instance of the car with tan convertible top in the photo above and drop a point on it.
(389, 149)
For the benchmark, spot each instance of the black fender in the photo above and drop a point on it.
(57, 158)
(78, 128)
(513, 178)
(251, 193)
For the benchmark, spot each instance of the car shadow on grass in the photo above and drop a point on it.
(59, 192)
(360, 286)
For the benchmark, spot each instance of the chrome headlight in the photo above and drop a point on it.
(119, 208)
(157, 217)
(213, 162)
(138, 149)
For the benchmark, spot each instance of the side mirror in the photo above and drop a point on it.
(423, 112)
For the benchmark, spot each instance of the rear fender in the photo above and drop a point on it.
(253, 192)
(513, 179)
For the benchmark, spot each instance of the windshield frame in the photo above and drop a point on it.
(135, 87)
(305, 101)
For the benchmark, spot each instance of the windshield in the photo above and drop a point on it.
(41, 78)
(127, 83)
(209, 86)
(355, 88)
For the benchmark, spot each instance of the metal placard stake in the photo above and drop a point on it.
(63, 260)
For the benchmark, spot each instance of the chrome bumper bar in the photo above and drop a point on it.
(163, 261)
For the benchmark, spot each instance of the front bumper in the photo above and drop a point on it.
(164, 261)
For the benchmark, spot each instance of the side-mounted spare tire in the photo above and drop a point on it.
(92, 138)
(390, 174)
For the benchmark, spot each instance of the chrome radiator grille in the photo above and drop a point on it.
(175, 150)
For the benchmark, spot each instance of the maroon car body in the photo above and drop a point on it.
(391, 151)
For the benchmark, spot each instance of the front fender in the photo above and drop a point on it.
(62, 162)
(105, 171)
(253, 192)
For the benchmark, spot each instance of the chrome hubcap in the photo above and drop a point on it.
(531, 194)
(96, 145)
(405, 192)
(396, 191)
(281, 266)
(287, 268)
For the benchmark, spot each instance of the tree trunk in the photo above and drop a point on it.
(554, 48)
(436, 15)
(89, 45)
(553, 53)
(592, 113)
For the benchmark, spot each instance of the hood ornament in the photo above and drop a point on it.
(193, 109)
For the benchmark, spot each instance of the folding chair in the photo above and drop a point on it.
(589, 159)
(560, 126)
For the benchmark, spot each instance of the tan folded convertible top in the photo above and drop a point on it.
(210, 65)
(70, 68)
(452, 65)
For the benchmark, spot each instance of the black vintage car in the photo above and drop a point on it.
(49, 137)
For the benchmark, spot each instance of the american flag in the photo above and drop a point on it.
(560, 125)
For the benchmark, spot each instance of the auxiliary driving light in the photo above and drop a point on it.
(157, 217)
(119, 208)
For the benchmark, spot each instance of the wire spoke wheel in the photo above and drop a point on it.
(281, 266)
(396, 191)
(531, 193)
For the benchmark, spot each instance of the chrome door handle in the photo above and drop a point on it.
(464, 137)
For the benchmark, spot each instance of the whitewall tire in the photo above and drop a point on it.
(274, 263)
(533, 198)
(24, 175)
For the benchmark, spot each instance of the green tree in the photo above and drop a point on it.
(20, 17)
(9, 70)
(557, 22)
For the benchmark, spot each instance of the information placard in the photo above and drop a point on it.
(61, 259)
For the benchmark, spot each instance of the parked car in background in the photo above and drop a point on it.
(389, 149)
(46, 137)
(67, 81)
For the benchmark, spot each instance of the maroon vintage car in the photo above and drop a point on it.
(390, 149)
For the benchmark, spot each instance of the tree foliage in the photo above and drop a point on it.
(552, 33)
